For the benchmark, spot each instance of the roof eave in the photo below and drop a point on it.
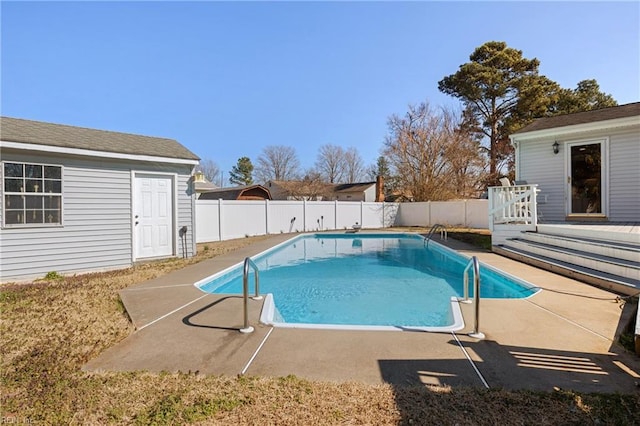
(92, 153)
(575, 128)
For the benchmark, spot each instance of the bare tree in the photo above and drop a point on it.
(277, 162)
(430, 151)
(467, 159)
(311, 187)
(211, 170)
(330, 163)
(353, 166)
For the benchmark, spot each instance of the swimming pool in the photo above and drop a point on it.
(364, 281)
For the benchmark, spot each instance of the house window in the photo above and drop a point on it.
(32, 194)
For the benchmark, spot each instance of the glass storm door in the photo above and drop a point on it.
(585, 179)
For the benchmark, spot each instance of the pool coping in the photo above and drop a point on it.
(529, 343)
(269, 308)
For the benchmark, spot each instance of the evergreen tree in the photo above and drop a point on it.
(383, 168)
(240, 174)
(585, 97)
(502, 92)
(500, 89)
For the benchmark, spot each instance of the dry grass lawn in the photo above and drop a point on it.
(49, 329)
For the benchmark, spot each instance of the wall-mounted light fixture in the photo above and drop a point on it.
(556, 147)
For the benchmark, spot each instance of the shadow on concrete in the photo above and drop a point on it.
(188, 320)
(516, 367)
(428, 372)
(432, 372)
(509, 368)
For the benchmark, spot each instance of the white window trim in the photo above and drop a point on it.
(32, 225)
(604, 168)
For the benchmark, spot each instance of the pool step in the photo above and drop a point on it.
(598, 234)
(614, 265)
(611, 249)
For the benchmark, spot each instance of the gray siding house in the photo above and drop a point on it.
(78, 200)
(586, 165)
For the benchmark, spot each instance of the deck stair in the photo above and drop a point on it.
(610, 260)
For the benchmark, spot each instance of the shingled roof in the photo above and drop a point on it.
(249, 192)
(621, 111)
(59, 135)
(353, 187)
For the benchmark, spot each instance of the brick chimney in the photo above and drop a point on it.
(379, 189)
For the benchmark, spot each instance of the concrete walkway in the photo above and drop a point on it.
(552, 339)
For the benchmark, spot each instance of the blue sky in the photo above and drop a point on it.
(229, 78)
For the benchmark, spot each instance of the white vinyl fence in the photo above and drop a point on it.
(218, 220)
(465, 213)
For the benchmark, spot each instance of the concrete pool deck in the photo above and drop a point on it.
(551, 339)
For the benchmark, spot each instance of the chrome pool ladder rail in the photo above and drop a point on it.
(473, 263)
(434, 228)
(245, 291)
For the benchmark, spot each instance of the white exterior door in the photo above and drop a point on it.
(153, 216)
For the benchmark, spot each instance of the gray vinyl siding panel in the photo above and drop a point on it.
(97, 219)
(185, 216)
(539, 165)
(96, 230)
(624, 176)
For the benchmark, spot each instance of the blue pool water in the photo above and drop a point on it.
(364, 280)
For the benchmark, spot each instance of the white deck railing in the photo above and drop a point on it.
(513, 205)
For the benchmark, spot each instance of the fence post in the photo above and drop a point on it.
(304, 215)
(220, 219)
(266, 216)
(384, 218)
(490, 194)
(335, 216)
(466, 219)
(361, 214)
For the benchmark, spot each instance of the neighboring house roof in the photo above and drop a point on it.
(202, 184)
(316, 189)
(621, 111)
(63, 136)
(353, 187)
(299, 188)
(207, 186)
(251, 192)
(398, 197)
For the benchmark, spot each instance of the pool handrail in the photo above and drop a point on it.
(245, 291)
(442, 228)
(473, 262)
